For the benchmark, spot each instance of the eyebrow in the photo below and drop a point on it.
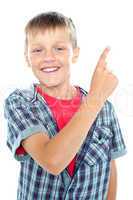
(40, 44)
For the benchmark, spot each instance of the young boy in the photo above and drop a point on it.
(65, 138)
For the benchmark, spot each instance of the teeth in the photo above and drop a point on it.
(49, 69)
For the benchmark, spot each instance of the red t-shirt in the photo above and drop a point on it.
(62, 110)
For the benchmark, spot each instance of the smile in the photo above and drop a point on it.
(50, 69)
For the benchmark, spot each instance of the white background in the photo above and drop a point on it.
(99, 23)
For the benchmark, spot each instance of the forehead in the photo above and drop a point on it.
(48, 36)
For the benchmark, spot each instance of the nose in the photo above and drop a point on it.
(49, 56)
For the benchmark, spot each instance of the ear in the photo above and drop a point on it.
(75, 54)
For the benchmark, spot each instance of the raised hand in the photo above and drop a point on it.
(103, 81)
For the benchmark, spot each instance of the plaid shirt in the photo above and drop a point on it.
(28, 113)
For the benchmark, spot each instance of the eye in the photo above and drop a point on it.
(36, 50)
(59, 48)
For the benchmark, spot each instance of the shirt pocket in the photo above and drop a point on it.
(99, 146)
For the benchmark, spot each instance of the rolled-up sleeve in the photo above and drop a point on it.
(21, 123)
(118, 145)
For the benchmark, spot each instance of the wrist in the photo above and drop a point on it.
(93, 102)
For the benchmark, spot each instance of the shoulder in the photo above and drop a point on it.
(106, 114)
(107, 108)
(19, 97)
(21, 94)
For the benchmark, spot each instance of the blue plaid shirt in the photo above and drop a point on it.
(28, 113)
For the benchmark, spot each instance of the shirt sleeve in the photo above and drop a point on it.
(118, 145)
(21, 123)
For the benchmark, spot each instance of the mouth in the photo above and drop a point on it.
(50, 69)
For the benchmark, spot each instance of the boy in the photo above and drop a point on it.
(65, 138)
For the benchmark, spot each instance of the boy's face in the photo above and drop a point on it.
(50, 55)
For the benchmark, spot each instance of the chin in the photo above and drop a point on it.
(50, 84)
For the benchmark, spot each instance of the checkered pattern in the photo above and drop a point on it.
(28, 113)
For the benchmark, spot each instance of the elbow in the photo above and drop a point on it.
(52, 168)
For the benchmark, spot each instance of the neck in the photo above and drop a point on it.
(61, 91)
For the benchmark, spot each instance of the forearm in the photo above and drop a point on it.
(113, 182)
(63, 147)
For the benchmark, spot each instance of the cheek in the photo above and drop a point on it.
(66, 59)
(34, 61)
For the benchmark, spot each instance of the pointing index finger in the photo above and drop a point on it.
(103, 56)
(105, 53)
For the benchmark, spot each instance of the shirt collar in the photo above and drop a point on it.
(33, 94)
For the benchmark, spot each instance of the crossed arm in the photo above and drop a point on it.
(113, 182)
